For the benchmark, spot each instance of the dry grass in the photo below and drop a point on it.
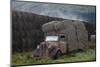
(26, 58)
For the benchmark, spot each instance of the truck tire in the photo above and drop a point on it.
(58, 54)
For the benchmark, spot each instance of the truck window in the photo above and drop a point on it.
(51, 38)
(62, 37)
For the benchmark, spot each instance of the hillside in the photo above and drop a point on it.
(26, 30)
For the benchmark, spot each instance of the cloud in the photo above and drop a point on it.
(74, 12)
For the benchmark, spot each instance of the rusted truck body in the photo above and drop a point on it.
(62, 37)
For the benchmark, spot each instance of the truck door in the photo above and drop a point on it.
(62, 43)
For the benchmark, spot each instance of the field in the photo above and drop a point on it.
(25, 58)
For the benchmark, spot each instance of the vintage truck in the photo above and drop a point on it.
(61, 37)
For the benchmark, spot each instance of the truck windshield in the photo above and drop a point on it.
(51, 38)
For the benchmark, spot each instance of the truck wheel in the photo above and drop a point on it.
(58, 54)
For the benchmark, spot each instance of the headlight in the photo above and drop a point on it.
(38, 47)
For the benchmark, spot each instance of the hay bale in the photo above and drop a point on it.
(55, 25)
(75, 32)
(82, 34)
(49, 26)
(92, 43)
(93, 38)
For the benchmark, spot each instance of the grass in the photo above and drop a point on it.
(26, 58)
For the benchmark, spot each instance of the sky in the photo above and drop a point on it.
(66, 11)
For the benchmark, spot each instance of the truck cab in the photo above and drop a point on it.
(53, 46)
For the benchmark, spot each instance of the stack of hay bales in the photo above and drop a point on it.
(93, 38)
(92, 42)
(76, 35)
